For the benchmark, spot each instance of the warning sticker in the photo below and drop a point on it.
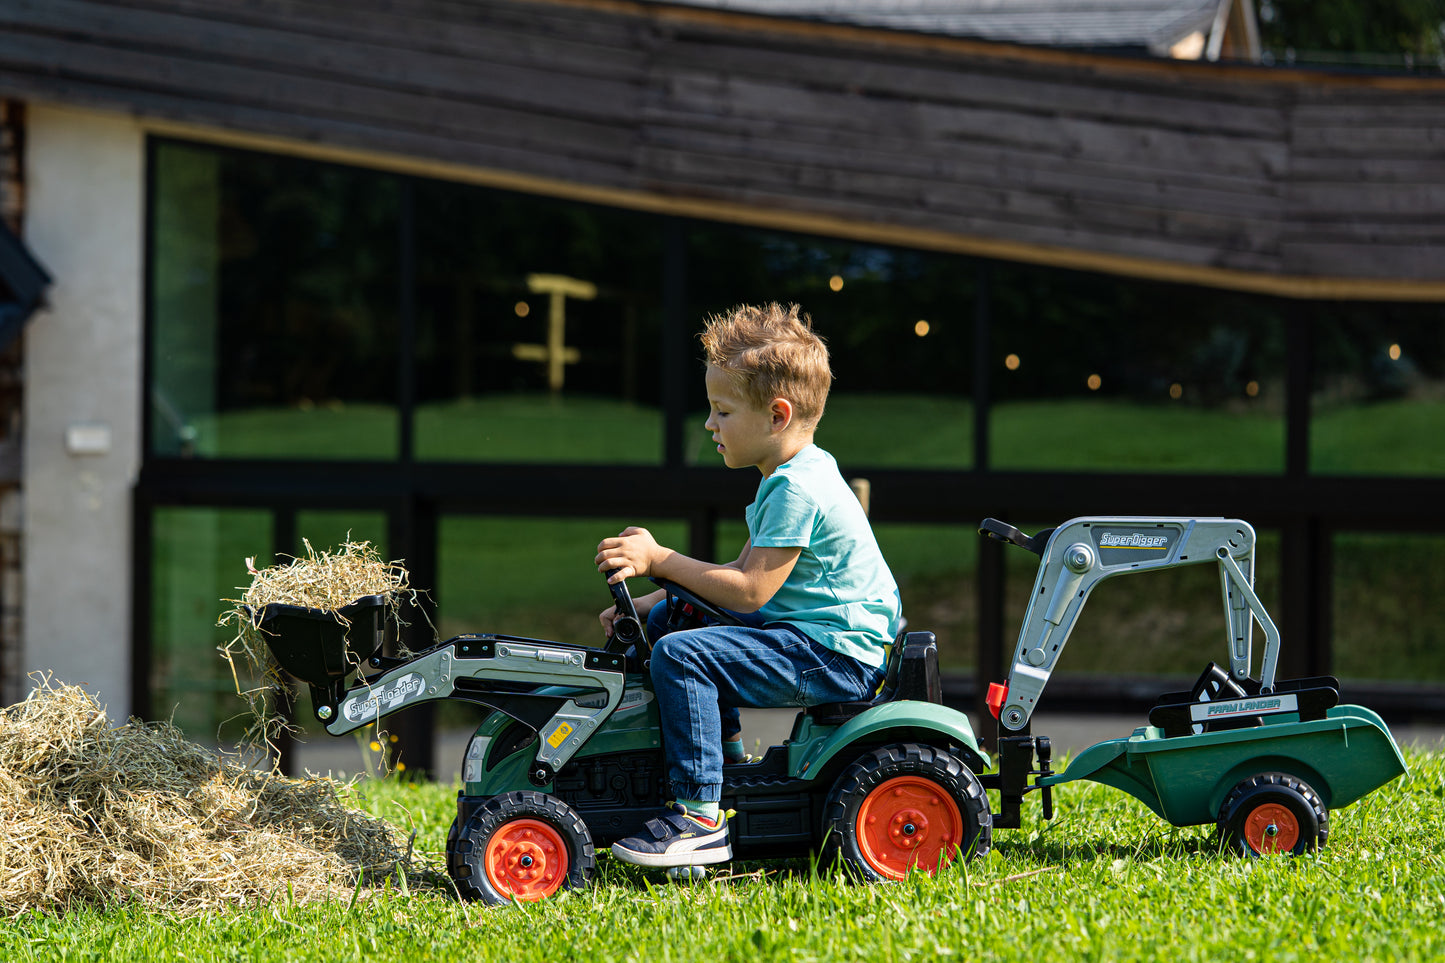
(559, 735)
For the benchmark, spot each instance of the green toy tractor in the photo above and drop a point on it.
(569, 757)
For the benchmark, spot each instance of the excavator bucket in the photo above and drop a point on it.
(323, 647)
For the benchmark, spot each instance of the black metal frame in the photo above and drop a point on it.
(1306, 509)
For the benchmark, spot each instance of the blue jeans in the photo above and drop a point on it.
(702, 676)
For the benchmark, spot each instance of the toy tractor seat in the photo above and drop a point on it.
(912, 673)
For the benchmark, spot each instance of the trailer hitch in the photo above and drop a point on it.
(1016, 755)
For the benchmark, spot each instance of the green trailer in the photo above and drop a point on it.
(1264, 759)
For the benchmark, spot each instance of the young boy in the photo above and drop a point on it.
(824, 604)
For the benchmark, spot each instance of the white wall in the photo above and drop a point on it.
(83, 220)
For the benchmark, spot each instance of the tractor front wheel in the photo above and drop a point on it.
(1273, 812)
(521, 846)
(905, 807)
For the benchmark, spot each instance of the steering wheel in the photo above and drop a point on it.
(627, 627)
(680, 599)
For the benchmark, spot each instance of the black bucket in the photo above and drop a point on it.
(320, 646)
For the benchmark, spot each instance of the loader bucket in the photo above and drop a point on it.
(323, 647)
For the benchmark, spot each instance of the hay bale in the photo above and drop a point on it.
(95, 814)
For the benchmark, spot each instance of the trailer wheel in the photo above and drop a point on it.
(521, 846)
(1273, 812)
(905, 807)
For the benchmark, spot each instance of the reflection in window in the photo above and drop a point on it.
(533, 577)
(1379, 392)
(1098, 373)
(1386, 618)
(936, 570)
(899, 327)
(538, 329)
(274, 292)
(328, 530)
(198, 558)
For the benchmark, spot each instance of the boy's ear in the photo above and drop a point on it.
(782, 411)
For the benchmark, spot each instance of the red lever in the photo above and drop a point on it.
(997, 694)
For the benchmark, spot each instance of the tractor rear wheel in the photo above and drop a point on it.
(905, 807)
(521, 846)
(1273, 812)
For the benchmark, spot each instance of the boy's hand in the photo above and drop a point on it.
(633, 553)
(643, 604)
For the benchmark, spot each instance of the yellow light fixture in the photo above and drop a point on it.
(836, 282)
(921, 329)
(1011, 362)
(1094, 382)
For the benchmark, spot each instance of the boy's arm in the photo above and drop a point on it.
(743, 585)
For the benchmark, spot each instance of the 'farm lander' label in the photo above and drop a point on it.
(378, 701)
(1261, 705)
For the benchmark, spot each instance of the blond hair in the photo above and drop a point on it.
(771, 351)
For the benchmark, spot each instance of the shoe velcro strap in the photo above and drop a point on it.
(667, 825)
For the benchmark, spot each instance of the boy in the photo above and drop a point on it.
(824, 603)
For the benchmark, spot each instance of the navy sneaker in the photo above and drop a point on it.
(677, 838)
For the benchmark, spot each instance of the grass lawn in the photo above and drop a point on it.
(1105, 880)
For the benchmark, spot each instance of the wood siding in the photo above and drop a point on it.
(1284, 181)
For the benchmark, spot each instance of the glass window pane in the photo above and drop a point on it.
(1098, 373)
(532, 577)
(198, 559)
(538, 328)
(328, 530)
(1379, 399)
(899, 327)
(936, 569)
(1386, 619)
(273, 314)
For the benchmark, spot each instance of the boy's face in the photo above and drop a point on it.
(742, 431)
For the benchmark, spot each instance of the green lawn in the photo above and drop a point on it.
(1105, 880)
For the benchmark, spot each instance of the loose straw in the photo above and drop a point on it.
(328, 581)
(94, 815)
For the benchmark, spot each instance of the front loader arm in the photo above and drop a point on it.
(1085, 551)
(563, 692)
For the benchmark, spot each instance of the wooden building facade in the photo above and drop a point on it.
(1309, 193)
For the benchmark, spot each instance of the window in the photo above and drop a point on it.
(1379, 393)
(532, 577)
(274, 287)
(1091, 373)
(899, 327)
(1386, 618)
(538, 325)
(198, 559)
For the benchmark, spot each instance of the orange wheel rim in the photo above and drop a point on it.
(909, 822)
(526, 859)
(1271, 828)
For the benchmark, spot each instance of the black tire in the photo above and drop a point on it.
(521, 845)
(454, 833)
(1273, 812)
(903, 807)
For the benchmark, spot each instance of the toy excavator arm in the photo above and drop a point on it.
(1084, 551)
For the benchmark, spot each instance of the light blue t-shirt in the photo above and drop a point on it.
(840, 592)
